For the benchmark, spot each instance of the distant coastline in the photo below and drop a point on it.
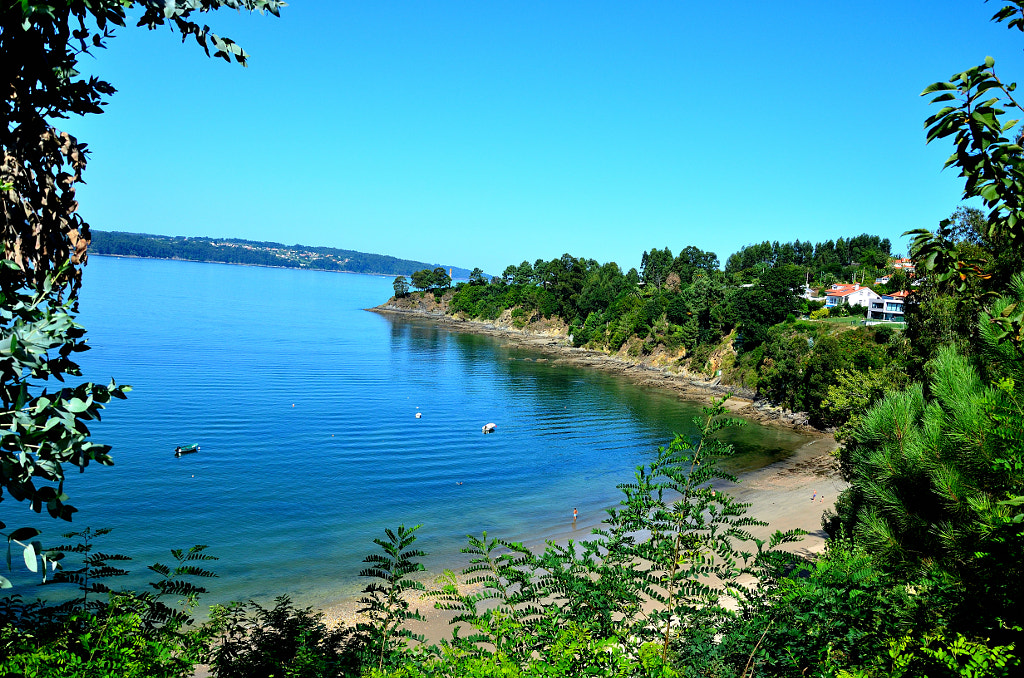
(236, 263)
(256, 253)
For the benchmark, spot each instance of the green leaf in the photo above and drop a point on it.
(937, 87)
(30, 556)
(23, 533)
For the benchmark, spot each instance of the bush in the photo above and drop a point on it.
(547, 303)
(259, 642)
(840, 610)
(128, 635)
(839, 311)
(699, 357)
(884, 333)
(804, 326)
(115, 641)
(521, 316)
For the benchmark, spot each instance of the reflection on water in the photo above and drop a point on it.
(571, 394)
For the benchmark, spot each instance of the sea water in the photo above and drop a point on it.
(304, 405)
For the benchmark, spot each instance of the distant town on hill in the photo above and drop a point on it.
(254, 253)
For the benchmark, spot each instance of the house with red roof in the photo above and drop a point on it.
(905, 265)
(854, 295)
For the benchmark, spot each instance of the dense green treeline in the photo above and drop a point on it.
(252, 253)
(839, 258)
(684, 311)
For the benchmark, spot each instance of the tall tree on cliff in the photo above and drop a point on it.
(655, 266)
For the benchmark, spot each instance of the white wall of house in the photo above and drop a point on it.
(860, 297)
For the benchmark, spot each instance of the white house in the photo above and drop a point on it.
(854, 295)
(888, 307)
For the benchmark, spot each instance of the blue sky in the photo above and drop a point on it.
(486, 133)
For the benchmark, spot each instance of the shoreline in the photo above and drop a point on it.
(779, 494)
(554, 344)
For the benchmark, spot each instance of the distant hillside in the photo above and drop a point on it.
(253, 253)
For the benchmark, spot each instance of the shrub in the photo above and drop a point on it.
(819, 314)
(699, 357)
(115, 641)
(884, 333)
(839, 311)
(259, 642)
(131, 634)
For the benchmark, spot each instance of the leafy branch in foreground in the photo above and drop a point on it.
(989, 155)
(44, 237)
(386, 602)
(94, 566)
(503, 571)
(694, 549)
(41, 430)
(133, 634)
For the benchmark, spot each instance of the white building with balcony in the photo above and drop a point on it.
(888, 307)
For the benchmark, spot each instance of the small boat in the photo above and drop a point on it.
(489, 428)
(186, 449)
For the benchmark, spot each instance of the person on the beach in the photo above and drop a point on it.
(814, 496)
(575, 513)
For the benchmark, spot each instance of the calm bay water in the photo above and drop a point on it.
(304, 405)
